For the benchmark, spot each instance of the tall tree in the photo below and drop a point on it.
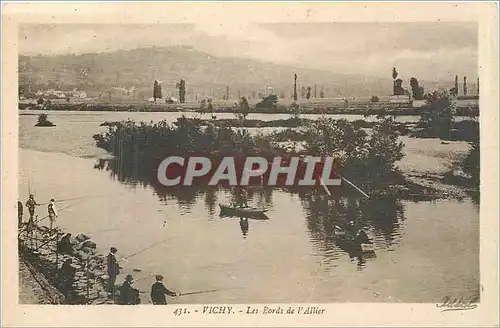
(157, 91)
(478, 86)
(322, 93)
(295, 87)
(303, 92)
(315, 94)
(182, 91)
(465, 85)
(395, 90)
(456, 85)
(394, 73)
(308, 94)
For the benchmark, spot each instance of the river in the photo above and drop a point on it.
(424, 251)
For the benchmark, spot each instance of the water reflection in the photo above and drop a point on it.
(244, 226)
(379, 218)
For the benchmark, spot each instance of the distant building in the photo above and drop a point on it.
(79, 94)
(51, 93)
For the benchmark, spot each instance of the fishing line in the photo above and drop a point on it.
(126, 258)
(45, 217)
(82, 197)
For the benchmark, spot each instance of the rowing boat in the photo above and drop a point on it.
(250, 212)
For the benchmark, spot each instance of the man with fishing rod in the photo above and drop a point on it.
(51, 208)
(30, 204)
(113, 269)
(158, 292)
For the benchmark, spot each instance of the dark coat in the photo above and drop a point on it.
(158, 292)
(113, 267)
(129, 295)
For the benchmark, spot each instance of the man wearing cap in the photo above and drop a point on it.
(113, 269)
(158, 291)
(52, 212)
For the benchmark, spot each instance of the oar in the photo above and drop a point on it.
(355, 187)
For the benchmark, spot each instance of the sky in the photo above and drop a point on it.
(437, 51)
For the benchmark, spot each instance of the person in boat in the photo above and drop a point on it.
(66, 278)
(113, 269)
(128, 294)
(241, 198)
(30, 204)
(51, 208)
(20, 213)
(159, 292)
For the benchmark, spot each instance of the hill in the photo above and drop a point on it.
(205, 75)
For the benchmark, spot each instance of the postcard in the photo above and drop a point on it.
(249, 164)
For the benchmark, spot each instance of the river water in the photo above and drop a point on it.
(424, 251)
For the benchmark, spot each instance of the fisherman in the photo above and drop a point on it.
(64, 246)
(241, 197)
(113, 269)
(20, 213)
(351, 229)
(52, 212)
(128, 294)
(66, 278)
(158, 292)
(30, 204)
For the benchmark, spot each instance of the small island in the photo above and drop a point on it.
(43, 121)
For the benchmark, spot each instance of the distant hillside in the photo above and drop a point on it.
(206, 75)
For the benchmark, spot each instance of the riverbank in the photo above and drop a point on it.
(308, 108)
(43, 254)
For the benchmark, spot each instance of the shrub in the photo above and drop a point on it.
(437, 114)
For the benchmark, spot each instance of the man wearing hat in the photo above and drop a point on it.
(30, 204)
(128, 295)
(158, 291)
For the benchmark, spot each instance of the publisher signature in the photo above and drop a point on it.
(457, 304)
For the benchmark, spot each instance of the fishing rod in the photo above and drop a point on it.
(38, 220)
(75, 198)
(62, 209)
(199, 292)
